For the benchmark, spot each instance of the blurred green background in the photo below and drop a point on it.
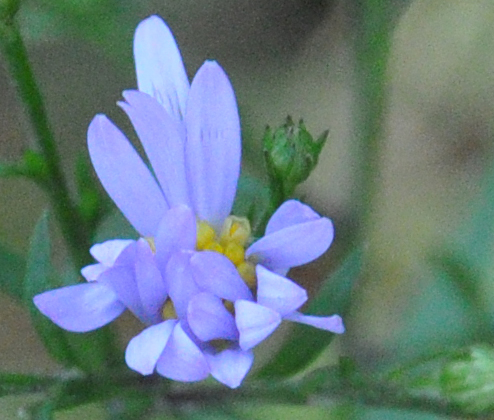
(294, 57)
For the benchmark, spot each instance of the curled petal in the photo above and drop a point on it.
(278, 293)
(163, 138)
(80, 308)
(182, 360)
(215, 273)
(177, 231)
(125, 177)
(159, 67)
(254, 322)
(332, 323)
(294, 245)
(150, 284)
(291, 212)
(91, 272)
(144, 350)
(230, 366)
(107, 252)
(209, 319)
(213, 144)
(122, 280)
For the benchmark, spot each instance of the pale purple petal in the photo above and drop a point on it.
(180, 282)
(278, 293)
(125, 177)
(209, 319)
(144, 350)
(122, 280)
(91, 272)
(80, 308)
(215, 273)
(291, 212)
(294, 245)
(213, 144)
(107, 252)
(230, 366)
(150, 284)
(254, 322)
(163, 138)
(332, 323)
(177, 231)
(159, 67)
(182, 360)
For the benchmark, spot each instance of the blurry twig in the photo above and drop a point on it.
(15, 55)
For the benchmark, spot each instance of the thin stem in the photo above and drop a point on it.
(372, 47)
(15, 55)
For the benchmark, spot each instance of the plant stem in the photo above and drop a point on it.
(372, 47)
(15, 55)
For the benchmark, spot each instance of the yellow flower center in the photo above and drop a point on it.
(231, 242)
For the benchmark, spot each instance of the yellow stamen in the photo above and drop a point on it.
(205, 235)
(247, 271)
(235, 229)
(150, 241)
(214, 246)
(235, 253)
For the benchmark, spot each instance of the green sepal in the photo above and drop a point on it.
(304, 343)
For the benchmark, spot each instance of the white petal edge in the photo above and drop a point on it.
(254, 322)
(293, 246)
(230, 366)
(182, 360)
(291, 212)
(332, 323)
(80, 308)
(159, 67)
(144, 350)
(278, 293)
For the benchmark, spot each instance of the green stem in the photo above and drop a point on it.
(15, 55)
(372, 48)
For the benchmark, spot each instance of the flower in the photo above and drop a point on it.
(193, 275)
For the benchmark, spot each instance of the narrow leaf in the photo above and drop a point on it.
(38, 280)
(304, 344)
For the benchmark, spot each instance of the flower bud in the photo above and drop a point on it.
(291, 154)
(468, 380)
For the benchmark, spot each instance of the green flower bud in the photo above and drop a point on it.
(468, 380)
(291, 154)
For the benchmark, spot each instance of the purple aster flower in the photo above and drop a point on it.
(190, 278)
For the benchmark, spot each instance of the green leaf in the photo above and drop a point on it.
(91, 351)
(38, 280)
(304, 344)
(12, 273)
